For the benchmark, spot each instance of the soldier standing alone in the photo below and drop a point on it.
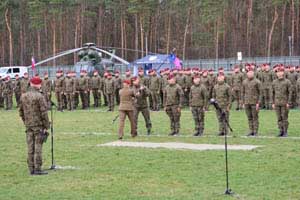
(33, 111)
(222, 94)
(198, 103)
(251, 96)
(173, 101)
(281, 100)
(8, 91)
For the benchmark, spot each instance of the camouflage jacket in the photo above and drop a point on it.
(17, 86)
(83, 84)
(69, 85)
(33, 109)
(180, 81)
(96, 83)
(173, 95)
(222, 94)
(281, 93)
(141, 96)
(109, 86)
(59, 84)
(46, 86)
(188, 80)
(144, 80)
(198, 96)
(251, 91)
(118, 83)
(24, 85)
(8, 88)
(237, 81)
(154, 83)
(126, 99)
(267, 79)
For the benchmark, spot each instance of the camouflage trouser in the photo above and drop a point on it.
(117, 96)
(59, 98)
(252, 115)
(198, 115)
(146, 114)
(88, 98)
(174, 115)
(8, 100)
(111, 101)
(34, 145)
(48, 99)
(161, 96)
(97, 97)
(122, 117)
(187, 96)
(223, 128)
(267, 97)
(1, 100)
(70, 100)
(294, 97)
(18, 96)
(282, 113)
(155, 99)
(84, 100)
(237, 97)
(105, 99)
(76, 99)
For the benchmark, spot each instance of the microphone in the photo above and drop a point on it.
(215, 104)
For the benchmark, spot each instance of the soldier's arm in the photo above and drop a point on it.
(165, 97)
(205, 96)
(259, 92)
(181, 96)
(273, 93)
(229, 93)
(290, 92)
(243, 92)
(44, 113)
(21, 110)
(190, 96)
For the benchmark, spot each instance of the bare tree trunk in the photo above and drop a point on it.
(122, 36)
(99, 26)
(54, 41)
(142, 34)
(293, 24)
(217, 38)
(168, 33)
(271, 31)
(46, 34)
(39, 44)
(8, 26)
(77, 27)
(136, 36)
(249, 26)
(282, 29)
(267, 31)
(187, 24)
(21, 45)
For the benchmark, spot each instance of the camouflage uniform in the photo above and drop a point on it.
(83, 87)
(188, 80)
(211, 83)
(267, 79)
(69, 90)
(141, 93)
(118, 86)
(110, 93)
(198, 103)
(236, 84)
(251, 95)
(163, 83)
(8, 91)
(17, 90)
(298, 91)
(281, 96)
(173, 100)
(46, 89)
(76, 95)
(292, 76)
(33, 111)
(58, 88)
(24, 85)
(96, 86)
(155, 87)
(222, 94)
(88, 94)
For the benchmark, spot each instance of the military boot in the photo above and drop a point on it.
(40, 172)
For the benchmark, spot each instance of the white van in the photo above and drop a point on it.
(13, 71)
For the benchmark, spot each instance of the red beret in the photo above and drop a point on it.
(171, 76)
(36, 80)
(109, 74)
(221, 74)
(7, 78)
(127, 70)
(221, 68)
(280, 69)
(25, 73)
(126, 81)
(133, 78)
(196, 76)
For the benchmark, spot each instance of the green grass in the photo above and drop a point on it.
(269, 172)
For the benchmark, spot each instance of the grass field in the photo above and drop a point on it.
(271, 171)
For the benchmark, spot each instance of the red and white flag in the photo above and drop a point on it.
(33, 64)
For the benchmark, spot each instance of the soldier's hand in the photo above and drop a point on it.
(185, 90)
(273, 106)
(179, 109)
(257, 106)
(228, 108)
(287, 106)
(243, 106)
(85, 92)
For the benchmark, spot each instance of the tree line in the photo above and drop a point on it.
(196, 28)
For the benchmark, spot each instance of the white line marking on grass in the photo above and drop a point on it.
(177, 145)
(180, 136)
(66, 167)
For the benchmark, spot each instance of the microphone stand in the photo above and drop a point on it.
(228, 191)
(53, 167)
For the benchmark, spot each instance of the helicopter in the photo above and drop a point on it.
(90, 58)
